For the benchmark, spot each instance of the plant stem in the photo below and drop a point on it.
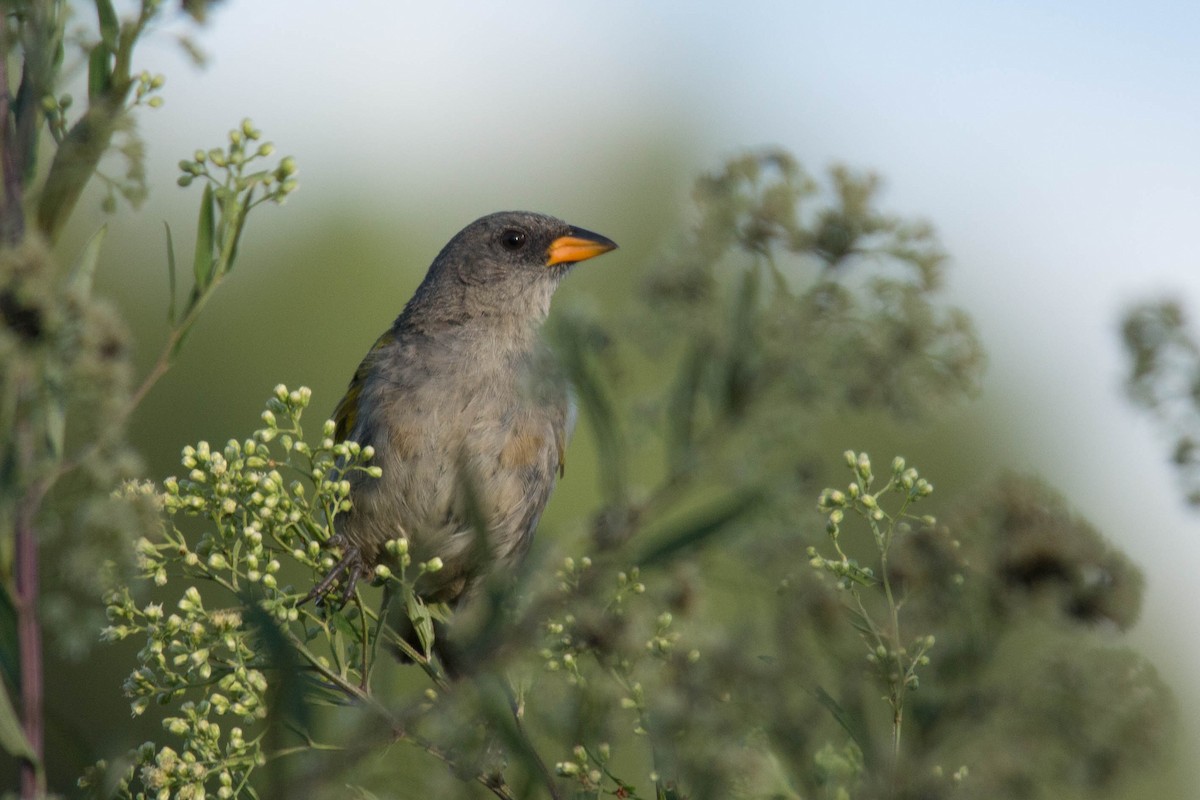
(29, 631)
(897, 690)
(12, 216)
(526, 743)
(492, 782)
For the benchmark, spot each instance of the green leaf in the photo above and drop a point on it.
(289, 690)
(243, 211)
(422, 622)
(204, 261)
(99, 71)
(170, 275)
(10, 658)
(854, 727)
(681, 411)
(110, 26)
(693, 532)
(740, 369)
(499, 704)
(255, 178)
(84, 270)
(12, 737)
(56, 417)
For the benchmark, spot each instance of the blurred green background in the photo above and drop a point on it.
(1052, 146)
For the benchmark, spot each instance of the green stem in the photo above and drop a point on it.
(492, 783)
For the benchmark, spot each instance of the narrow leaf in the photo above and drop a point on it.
(854, 727)
(56, 422)
(740, 371)
(12, 737)
(422, 623)
(204, 261)
(110, 26)
(170, 275)
(255, 178)
(681, 412)
(243, 211)
(289, 690)
(693, 532)
(499, 704)
(84, 270)
(10, 660)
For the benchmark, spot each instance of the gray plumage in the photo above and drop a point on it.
(460, 400)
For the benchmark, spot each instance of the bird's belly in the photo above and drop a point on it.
(471, 499)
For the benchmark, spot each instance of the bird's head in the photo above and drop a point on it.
(504, 265)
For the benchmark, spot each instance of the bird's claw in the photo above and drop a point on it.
(349, 570)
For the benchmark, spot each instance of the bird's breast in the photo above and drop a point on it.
(458, 440)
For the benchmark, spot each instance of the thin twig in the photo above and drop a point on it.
(492, 782)
(527, 744)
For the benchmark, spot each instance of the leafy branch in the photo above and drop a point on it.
(229, 196)
(66, 354)
(895, 660)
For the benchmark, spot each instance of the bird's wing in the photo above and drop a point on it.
(537, 480)
(345, 416)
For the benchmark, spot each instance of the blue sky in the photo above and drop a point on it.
(1056, 147)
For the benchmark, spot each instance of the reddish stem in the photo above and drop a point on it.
(29, 640)
(29, 632)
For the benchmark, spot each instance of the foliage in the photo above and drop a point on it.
(1164, 379)
(66, 377)
(688, 650)
(877, 616)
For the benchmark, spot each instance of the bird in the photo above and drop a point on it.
(467, 416)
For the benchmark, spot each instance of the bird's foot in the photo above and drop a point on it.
(348, 571)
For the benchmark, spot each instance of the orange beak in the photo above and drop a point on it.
(578, 245)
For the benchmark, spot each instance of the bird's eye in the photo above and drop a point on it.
(512, 239)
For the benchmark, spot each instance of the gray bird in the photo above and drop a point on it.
(466, 414)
